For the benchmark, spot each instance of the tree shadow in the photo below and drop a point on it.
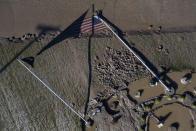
(189, 93)
(167, 80)
(188, 76)
(164, 118)
(116, 118)
(121, 34)
(72, 30)
(175, 124)
(119, 31)
(43, 30)
(129, 96)
(108, 109)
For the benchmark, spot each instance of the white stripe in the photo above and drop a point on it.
(95, 29)
(91, 26)
(96, 26)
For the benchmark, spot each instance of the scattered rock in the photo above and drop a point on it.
(172, 128)
(186, 79)
(160, 125)
(138, 94)
(188, 99)
(118, 68)
(160, 48)
(166, 51)
(114, 105)
(150, 27)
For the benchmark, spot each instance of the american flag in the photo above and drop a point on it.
(85, 26)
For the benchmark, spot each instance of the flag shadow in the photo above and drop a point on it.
(71, 31)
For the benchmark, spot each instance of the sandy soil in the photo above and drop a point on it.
(20, 16)
(31, 106)
(26, 105)
(176, 110)
(150, 92)
(176, 116)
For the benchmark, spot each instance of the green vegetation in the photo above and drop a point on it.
(114, 121)
(181, 98)
(169, 97)
(148, 108)
(142, 118)
(157, 100)
(193, 105)
(141, 129)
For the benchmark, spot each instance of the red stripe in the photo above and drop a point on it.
(87, 19)
(86, 25)
(90, 27)
(87, 22)
(98, 26)
(95, 28)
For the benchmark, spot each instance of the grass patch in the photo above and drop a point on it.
(193, 105)
(157, 100)
(181, 98)
(169, 98)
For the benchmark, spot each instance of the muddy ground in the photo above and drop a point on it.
(26, 104)
(20, 16)
(69, 66)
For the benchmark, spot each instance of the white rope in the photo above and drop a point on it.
(167, 88)
(52, 91)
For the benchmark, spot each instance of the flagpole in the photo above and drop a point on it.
(53, 92)
(137, 56)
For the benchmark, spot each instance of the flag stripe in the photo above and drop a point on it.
(90, 27)
(88, 31)
(95, 28)
(85, 26)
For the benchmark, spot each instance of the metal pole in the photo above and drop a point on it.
(137, 56)
(53, 91)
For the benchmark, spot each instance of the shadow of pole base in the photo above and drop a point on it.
(89, 122)
(171, 92)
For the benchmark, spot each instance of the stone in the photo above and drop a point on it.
(150, 27)
(160, 48)
(159, 29)
(172, 128)
(138, 94)
(166, 51)
(194, 90)
(160, 125)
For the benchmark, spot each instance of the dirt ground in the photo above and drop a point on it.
(26, 105)
(150, 92)
(20, 16)
(176, 110)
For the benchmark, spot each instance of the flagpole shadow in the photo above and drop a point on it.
(90, 69)
(43, 29)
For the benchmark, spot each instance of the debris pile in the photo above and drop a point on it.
(119, 68)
